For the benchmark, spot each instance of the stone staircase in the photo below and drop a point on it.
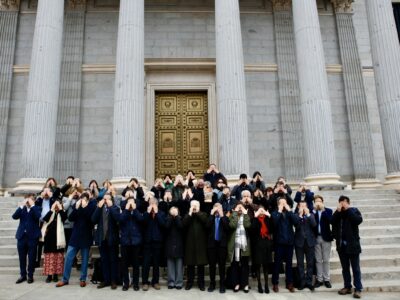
(380, 238)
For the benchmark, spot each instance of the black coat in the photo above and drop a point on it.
(174, 237)
(153, 227)
(50, 238)
(262, 253)
(112, 237)
(305, 231)
(345, 228)
(224, 231)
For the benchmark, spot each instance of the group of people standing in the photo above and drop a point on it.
(189, 222)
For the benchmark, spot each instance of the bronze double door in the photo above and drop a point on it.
(181, 133)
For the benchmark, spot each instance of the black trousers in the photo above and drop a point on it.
(216, 256)
(151, 256)
(200, 275)
(240, 271)
(309, 253)
(130, 257)
(27, 247)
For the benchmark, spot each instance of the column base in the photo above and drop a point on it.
(29, 185)
(2, 191)
(232, 180)
(392, 181)
(372, 183)
(317, 182)
(121, 182)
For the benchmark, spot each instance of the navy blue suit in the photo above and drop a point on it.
(284, 241)
(325, 224)
(27, 236)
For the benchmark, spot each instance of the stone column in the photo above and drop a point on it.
(39, 138)
(356, 99)
(320, 161)
(233, 141)
(129, 117)
(289, 93)
(69, 106)
(8, 31)
(385, 50)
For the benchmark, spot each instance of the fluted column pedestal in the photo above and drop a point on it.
(319, 150)
(39, 137)
(129, 121)
(385, 50)
(233, 144)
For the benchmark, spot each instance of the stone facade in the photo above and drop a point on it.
(184, 31)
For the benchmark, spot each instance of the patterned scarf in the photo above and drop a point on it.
(240, 238)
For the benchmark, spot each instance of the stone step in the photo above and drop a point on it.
(378, 221)
(376, 230)
(381, 239)
(371, 250)
(378, 214)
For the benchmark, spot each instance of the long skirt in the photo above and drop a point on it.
(53, 263)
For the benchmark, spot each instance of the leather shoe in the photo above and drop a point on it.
(113, 286)
(30, 280)
(61, 284)
(170, 287)
(178, 288)
(135, 287)
(188, 286)
(21, 279)
(145, 287)
(310, 287)
(102, 285)
(328, 284)
(290, 287)
(82, 283)
(49, 278)
(211, 288)
(357, 294)
(202, 288)
(344, 291)
(222, 290)
(275, 288)
(124, 288)
(318, 284)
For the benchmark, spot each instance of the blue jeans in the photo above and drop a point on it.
(354, 260)
(69, 260)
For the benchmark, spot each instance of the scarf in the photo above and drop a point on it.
(264, 232)
(240, 238)
(61, 243)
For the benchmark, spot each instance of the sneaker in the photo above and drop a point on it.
(344, 291)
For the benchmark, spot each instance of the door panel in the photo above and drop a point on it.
(181, 133)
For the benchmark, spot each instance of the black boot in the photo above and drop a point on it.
(260, 289)
(49, 278)
(55, 278)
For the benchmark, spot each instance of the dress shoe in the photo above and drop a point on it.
(21, 279)
(188, 286)
(246, 289)
(236, 289)
(145, 287)
(275, 288)
(222, 290)
(202, 288)
(344, 291)
(30, 280)
(300, 287)
(310, 287)
(317, 284)
(170, 287)
(82, 283)
(124, 288)
(178, 288)
(61, 284)
(266, 289)
(357, 294)
(114, 286)
(260, 289)
(102, 285)
(328, 284)
(135, 287)
(211, 288)
(290, 287)
(156, 286)
(49, 279)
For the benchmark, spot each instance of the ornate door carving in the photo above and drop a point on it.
(181, 133)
